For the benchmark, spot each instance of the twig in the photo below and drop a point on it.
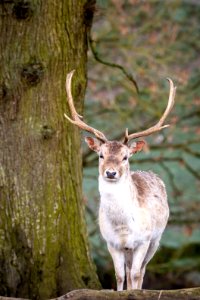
(171, 179)
(113, 65)
(191, 170)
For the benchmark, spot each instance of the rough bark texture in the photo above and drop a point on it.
(183, 294)
(43, 243)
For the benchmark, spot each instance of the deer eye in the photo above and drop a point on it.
(125, 157)
(101, 155)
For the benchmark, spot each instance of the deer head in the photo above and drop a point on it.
(114, 155)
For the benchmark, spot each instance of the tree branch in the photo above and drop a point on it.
(170, 175)
(183, 294)
(157, 159)
(113, 65)
(84, 294)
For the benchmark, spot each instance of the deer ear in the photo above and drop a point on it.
(93, 143)
(136, 146)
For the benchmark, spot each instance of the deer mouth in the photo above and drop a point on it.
(112, 177)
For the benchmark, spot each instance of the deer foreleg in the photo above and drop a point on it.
(140, 281)
(128, 261)
(150, 253)
(139, 255)
(118, 260)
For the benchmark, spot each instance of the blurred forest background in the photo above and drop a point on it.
(151, 40)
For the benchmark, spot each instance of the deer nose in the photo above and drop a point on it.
(111, 175)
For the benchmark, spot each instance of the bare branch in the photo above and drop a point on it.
(191, 293)
(113, 65)
(154, 160)
(170, 175)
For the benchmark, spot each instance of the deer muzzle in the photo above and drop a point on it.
(111, 175)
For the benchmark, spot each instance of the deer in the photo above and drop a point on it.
(133, 210)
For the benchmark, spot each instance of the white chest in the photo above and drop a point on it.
(120, 217)
(116, 201)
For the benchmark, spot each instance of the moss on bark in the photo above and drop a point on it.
(43, 241)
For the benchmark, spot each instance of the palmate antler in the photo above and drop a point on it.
(76, 118)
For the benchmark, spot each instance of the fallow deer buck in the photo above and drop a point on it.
(133, 209)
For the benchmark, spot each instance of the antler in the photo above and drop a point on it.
(76, 118)
(159, 126)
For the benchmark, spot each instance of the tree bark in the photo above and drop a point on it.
(183, 294)
(43, 242)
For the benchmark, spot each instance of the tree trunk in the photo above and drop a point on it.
(43, 242)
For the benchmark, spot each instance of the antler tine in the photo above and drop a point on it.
(159, 126)
(76, 118)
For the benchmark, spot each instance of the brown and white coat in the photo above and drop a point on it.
(133, 210)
